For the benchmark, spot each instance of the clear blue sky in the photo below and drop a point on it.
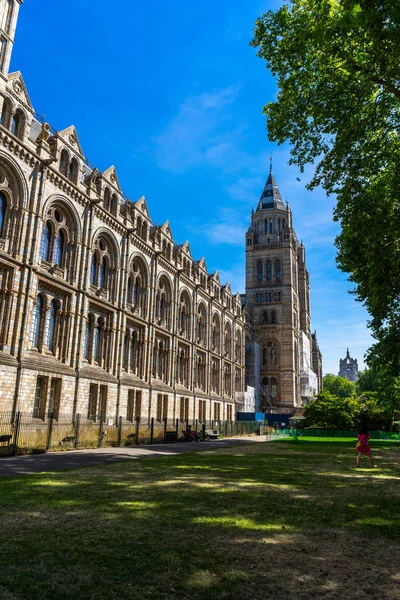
(172, 95)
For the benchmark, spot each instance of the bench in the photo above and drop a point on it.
(5, 439)
(67, 439)
(170, 436)
(212, 434)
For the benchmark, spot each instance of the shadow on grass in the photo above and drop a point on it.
(244, 523)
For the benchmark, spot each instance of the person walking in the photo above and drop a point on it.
(363, 447)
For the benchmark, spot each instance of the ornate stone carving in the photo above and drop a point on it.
(17, 85)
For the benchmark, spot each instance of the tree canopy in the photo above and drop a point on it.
(338, 386)
(330, 412)
(338, 73)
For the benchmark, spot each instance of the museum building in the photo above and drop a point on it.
(101, 312)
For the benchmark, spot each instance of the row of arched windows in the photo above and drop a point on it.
(69, 167)
(46, 324)
(268, 297)
(52, 245)
(270, 225)
(267, 271)
(269, 354)
(269, 388)
(13, 120)
(269, 317)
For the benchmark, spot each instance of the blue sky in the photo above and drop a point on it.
(172, 94)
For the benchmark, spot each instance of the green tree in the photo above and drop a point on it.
(368, 381)
(338, 386)
(330, 412)
(338, 71)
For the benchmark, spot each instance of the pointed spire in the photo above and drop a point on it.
(271, 196)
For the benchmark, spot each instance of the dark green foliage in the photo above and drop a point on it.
(331, 412)
(338, 70)
(338, 386)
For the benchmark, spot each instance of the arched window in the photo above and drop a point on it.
(259, 270)
(144, 231)
(201, 324)
(52, 325)
(114, 204)
(8, 20)
(58, 249)
(93, 269)
(277, 269)
(107, 199)
(265, 356)
(269, 270)
(73, 171)
(129, 290)
(45, 243)
(265, 387)
(96, 341)
(133, 352)
(3, 206)
(16, 123)
(270, 226)
(257, 297)
(228, 340)
(265, 316)
(265, 226)
(136, 292)
(87, 340)
(64, 162)
(103, 273)
(38, 321)
(6, 113)
(216, 334)
(273, 388)
(273, 317)
(162, 306)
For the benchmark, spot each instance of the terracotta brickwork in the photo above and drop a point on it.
(101, 312)
(277, 304)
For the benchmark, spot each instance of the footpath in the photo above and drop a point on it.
(14, 466)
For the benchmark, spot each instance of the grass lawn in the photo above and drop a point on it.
(274, 520)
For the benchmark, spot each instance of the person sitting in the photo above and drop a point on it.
(191, 435)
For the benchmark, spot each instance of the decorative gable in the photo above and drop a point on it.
(227, 289)
(111, 175)
(17, 85)
(186, 248)
(166, 229)
(70, 137)
(215, 277)
(202, 264)
(141, 206)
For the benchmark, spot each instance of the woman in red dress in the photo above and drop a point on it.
(363, 447)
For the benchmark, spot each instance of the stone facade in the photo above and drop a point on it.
(348, 367)
(277, 306)
(101, 312)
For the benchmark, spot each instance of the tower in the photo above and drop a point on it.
(278, 305)
(9, 10)
(348, 367)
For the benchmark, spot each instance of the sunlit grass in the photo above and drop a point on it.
(272, 520)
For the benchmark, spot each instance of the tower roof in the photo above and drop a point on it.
(271, 196)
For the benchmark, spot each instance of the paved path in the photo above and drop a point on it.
(40, 463)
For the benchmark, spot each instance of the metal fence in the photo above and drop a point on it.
(346, 433)
(28, 435)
